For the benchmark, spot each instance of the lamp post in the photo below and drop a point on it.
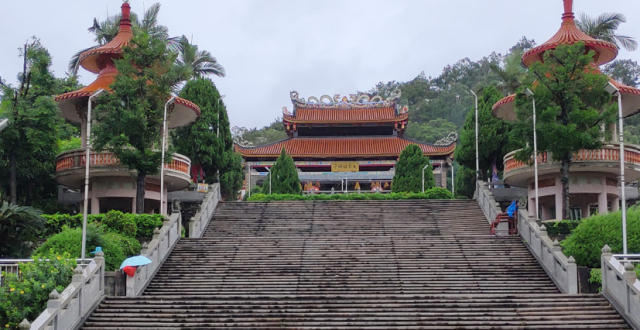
(4, 123)
(164, 141)
(87, 160)
(477, 158)
(218, 133)
(453, 180)
(530, 94)
(614, 91)
(269, 170)
(424, 168)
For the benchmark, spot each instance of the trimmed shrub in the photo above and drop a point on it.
(561, 228)
(25, 295)
(116, 247)
(285, 176)
(118, 222)
(146, 223)
(586, 241)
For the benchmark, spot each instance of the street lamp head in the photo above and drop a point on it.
(611, 89)
(528, 92)
(171, 100)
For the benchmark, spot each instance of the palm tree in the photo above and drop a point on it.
(604, 28)
(106, 30)
(19, 226)
(195, 63)
(512, 73)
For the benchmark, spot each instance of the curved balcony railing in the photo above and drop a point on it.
(609, 153)
(76, 158)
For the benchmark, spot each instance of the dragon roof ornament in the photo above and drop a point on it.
(358, 101)
(447, 140)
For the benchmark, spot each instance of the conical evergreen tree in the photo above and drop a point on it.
(408, 177)
(285, 176)
(200, 141)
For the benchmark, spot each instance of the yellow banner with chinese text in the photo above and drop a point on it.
(345, 167)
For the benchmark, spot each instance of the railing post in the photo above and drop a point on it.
(572, 276)
(604, 258)
(54, 306)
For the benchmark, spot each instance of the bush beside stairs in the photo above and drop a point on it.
(407, 264)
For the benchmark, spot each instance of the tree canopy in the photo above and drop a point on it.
(571, 106)
(408, 176)
(129, 120)
(284, 176)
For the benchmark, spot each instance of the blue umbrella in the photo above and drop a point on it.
(135, 261)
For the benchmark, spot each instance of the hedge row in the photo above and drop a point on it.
(132, 225)
(561, 228)
(433, 193)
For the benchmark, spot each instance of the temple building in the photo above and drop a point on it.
(593, 175)
(344, 143)
(112, 186)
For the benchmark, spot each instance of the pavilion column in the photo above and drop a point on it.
(559, 204)
(585, 210)
(95, 203)
(615, 204)
(602, 203)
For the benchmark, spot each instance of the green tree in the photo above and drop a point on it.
(208, 142)
(604, 28)
(19, 230)
(284, 176)
(430, 131)
(493, 138)
(196, 63)
(571, 106)
(129, 120)
(624, 71)
(408, 176)
(29, 144)
(511, 73)
(465, 181)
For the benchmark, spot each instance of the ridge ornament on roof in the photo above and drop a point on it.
(360, 100)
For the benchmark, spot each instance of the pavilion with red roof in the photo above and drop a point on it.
(111, 185)
(593, 178)
(339, 142)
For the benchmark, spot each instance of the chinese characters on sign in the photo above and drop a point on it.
(345, 167)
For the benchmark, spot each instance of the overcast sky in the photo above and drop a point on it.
(269, 48)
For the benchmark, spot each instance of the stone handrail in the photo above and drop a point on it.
(621, 286)
(76, 159)
(562, 270)
(163, 242)
(487, 203)
(198, 223)
(608, 153)
(67, 310)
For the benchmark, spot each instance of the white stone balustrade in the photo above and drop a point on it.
(562, 270)
(163, 242)
(620, 284)
(67, 310)
(198, 223)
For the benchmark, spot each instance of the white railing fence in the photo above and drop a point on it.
(13, 265)
(620, 284)
(199, 222)
(67, 310)
(562, 270)
(163, 242)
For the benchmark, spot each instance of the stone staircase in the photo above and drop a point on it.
(410, 264)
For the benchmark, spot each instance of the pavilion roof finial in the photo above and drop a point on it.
(125, 21)
(567, 16)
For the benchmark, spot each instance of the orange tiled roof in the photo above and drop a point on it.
(307, 115)
(104, 80)
(89, 59)
(343, 147)
(569, 34)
